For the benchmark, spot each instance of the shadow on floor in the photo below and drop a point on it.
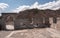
(40, 26)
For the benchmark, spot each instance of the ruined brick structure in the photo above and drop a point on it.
(31, 18)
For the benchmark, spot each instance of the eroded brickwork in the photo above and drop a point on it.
(31, 18)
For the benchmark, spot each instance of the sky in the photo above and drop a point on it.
(20, 5)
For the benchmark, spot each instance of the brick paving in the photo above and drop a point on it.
(31, 33)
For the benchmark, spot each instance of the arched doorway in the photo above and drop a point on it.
(9, 22)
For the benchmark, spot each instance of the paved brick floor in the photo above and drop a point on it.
(31, 33)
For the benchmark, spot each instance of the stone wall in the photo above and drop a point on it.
(31, 18)
(55, 23)
(21, 23)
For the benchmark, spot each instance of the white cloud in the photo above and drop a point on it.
(3, 6)
(50, 5)
(21, 8)
(35, 5)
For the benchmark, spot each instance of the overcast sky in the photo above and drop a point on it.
(19, 5)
